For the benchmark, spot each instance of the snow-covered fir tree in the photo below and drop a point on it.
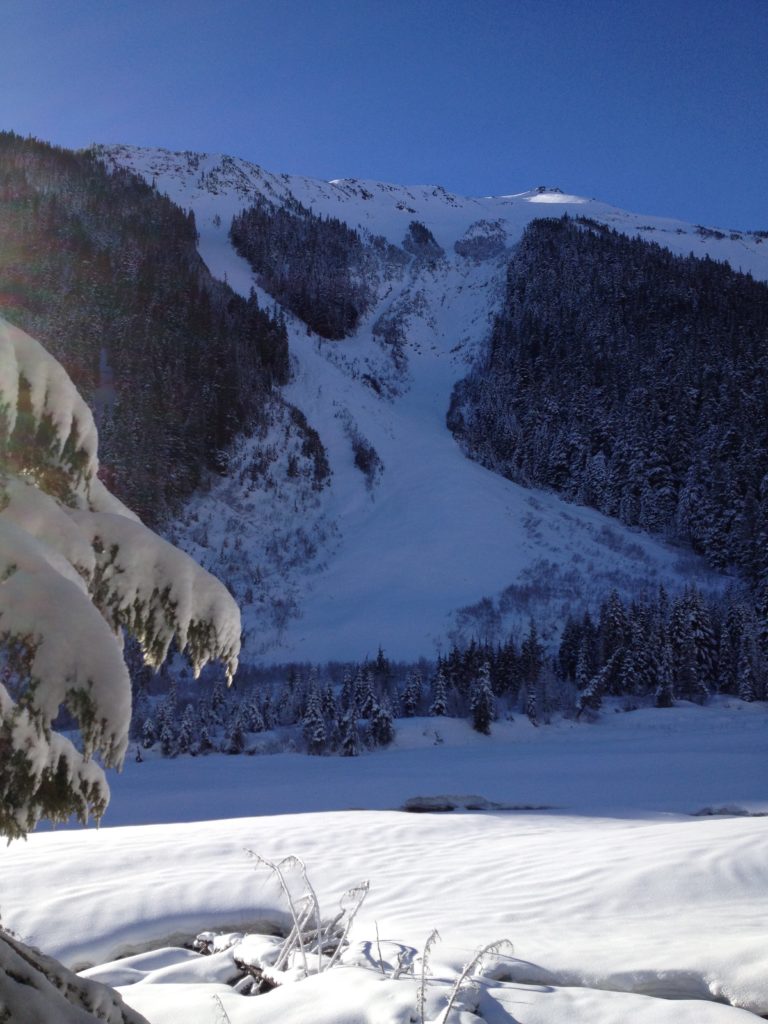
(382, 727)
(439, 705)
(410, 699)
(313, 724)
(350, 739)
(482, 705)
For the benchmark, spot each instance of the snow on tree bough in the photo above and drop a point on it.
(76, 569)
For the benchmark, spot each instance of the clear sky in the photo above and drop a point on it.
(659, 106)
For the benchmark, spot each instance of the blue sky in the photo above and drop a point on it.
(659, 107)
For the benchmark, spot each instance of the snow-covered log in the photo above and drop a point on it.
(76, 569)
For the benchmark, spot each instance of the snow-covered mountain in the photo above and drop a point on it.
(426, 544)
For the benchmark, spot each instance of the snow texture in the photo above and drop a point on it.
(621, 903)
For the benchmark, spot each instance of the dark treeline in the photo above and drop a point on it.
(652, 652)
(104, 272)
(632, 380)
(317, 267)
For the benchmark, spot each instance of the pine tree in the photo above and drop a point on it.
(591, 698)
(382, 727)
(613, 634)
(313, 724)
(570, 649)
(187, 731)
(234, 736)
(411, 696)
(149, 733)
(704, 643)
(328, 704)
(168, 746)
(252, 716)
(639, 670)
(583, 674)
(205, 743)
(665, 688)
(482, 704)
(350, 740)
(365, 698)
(439, 704)
(747, 688)
(531, 657)
(531, 704)
(217, 702)
(347, 699)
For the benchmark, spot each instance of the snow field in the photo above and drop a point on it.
(643, 914)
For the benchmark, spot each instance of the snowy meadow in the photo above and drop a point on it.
(623, 859)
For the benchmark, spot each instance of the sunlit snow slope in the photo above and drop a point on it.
(392, 562)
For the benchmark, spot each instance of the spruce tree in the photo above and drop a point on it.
(482, 703)
(665, 688)
(411, 696)
(313, 724)
(187, 731)
(439, 705)
(382, 727)
(350, 740)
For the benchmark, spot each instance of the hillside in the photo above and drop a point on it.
(409, 536)
(104, 271)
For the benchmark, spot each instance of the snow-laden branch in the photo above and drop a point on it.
(159, 593)
(76, 569)
(39, 402)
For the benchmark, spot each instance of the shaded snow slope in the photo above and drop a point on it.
(392, 559)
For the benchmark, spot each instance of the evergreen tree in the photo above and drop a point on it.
(591, 698)
(205, 743)
(665, 689)
(531, 704)
(639, 670)
(350, 740)
(483, 706)
(382, 727)
(149, 733)
(234, 734)
(531, 657)
(439, 705)
(168, 745)
(583, 672)
(188, 730)
(365, 698)
(347, 699)
(747, 688)
(411, 697)
(570, 649)
(313, 724)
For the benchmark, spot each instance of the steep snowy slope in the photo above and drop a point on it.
(401, 556)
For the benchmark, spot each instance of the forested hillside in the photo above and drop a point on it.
(632, 380)
(318, 267)
(104, 271)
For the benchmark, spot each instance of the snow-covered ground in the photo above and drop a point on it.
(623, 903)
(394, 563)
